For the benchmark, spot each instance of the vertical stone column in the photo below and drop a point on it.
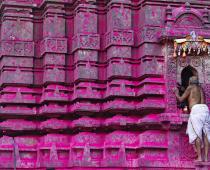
(17, 58)
(53, 50)
(119, 39)
(118, 42)
(85, 46)
(17, 47)
(54, 44)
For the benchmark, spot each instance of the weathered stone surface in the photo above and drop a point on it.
(88, 84)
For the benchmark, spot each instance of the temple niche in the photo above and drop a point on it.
(88, 84)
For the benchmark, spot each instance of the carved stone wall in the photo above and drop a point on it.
(87, 84)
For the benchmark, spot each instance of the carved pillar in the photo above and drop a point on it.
(118, 42)
(53, 47)
(17, 47)
(53, 50)
(85, 46)
(17, 58)
(86, 42)
(119, 39)
(171, 77)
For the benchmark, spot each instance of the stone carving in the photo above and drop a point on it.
(86, 41)
(119, 37)
(148, 34)
(188, 20)
(171, 83)
(17, 48)
(53, 45)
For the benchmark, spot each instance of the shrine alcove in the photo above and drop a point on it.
(186, 73)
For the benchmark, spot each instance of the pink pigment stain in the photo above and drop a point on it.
(88, 85)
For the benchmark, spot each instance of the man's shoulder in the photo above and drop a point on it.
(190, 87)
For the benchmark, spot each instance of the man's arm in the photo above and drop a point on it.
(184, 96)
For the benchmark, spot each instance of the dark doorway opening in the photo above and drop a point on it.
(186, 73)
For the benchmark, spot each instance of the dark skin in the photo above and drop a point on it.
(194, 94)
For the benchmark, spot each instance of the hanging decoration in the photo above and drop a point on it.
(191, 45)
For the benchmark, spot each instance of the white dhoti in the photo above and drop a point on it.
(198, 123)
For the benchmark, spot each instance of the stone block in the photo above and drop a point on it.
(6, 152)
(16, 76)
(120, 68)
(119, 52)
(86, 70)
(17, 29)
(54, 74)
(55, 93)
(23, 110)
(7, 61)
(53, 109)
(151, 89)
(85, 55)
(26, 151)
(54, 150)
(54, 59)
(119, 15)
(54, 124)
(120, 88)
(85, 19)
(18, 125)
(151, 104)
(118, 105)
(85, 106)
(153, 139)
(54, 26)
(86, 90)
(18, 95)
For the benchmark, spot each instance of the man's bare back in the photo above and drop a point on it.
(193, 93)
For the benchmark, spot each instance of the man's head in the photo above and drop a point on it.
(194, 80)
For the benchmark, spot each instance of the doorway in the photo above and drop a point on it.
(186, 73)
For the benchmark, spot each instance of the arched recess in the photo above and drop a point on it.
(188, 19)
(186, 73)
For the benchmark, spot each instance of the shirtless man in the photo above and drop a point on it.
(198, 124)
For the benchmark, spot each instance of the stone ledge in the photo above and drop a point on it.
(202, 165)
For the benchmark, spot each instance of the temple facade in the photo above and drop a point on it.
(88, 84)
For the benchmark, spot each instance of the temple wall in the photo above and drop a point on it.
(87, 84)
